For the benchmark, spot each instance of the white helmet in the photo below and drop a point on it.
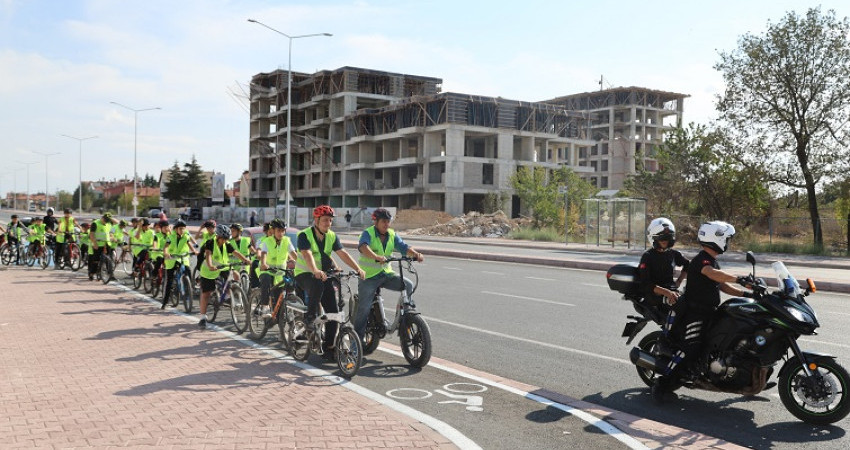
(661, 229)
(716, 235)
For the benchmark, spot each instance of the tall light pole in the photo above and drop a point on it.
(46, 185)
(80, 140)
(288, 114)
(135, 152)
(28, 164)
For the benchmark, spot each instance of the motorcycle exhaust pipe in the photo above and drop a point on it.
(643, 359)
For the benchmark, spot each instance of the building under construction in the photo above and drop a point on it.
(369, 138)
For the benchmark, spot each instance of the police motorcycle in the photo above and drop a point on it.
(745, 341)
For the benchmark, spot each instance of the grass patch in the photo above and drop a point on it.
(548, 234)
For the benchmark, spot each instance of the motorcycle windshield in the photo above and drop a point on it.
(786, 282)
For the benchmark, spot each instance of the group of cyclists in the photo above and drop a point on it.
(218, 245)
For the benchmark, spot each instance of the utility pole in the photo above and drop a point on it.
(46, 177)
(28, 164)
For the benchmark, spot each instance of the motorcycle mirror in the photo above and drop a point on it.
(812, 288)
(751, 258)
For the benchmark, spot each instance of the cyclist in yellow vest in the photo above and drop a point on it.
(315, 245)
(160, 233)
(100, 235)
(242, 243)
(376, 244)
(37, 232)
(143, 239)
(217, 252)
(274, 251)
(178, 242)
(64, 236)
(14, 232)
(203, 235)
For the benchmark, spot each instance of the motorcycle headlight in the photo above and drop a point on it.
(799, 315)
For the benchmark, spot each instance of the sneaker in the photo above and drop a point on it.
(202, 324)
(267, 312)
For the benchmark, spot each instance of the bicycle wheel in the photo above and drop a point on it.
(299, 342)
(107, 267)
(415, 337)
(5, 254)
(29, 255)
(156, 283)
(137, 279)
(213, 305)
(46, 255)
(237, 307)
(245, 281)
(256, 324)
(127, 261)
(186, 294)
(372, 337)
(349, 352)
(147, 279)
(75, 258)
(286, 317)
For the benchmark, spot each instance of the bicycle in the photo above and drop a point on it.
(413, 332)
(182, 289)
(12, 250)
(258, 325)
(303, 340)
(142, 271)
(38, 252)
(71, 253)
(230, 293)
(124, 259)
(106, 264)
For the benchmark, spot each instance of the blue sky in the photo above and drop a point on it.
(62, 62)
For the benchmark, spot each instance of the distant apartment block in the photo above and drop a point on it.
(370, 138)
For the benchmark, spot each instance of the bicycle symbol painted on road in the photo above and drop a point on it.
(459, 392)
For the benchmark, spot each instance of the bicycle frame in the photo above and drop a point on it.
(404, 305)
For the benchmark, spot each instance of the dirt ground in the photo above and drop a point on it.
(407, 219)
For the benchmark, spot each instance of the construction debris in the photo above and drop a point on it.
(473, 224)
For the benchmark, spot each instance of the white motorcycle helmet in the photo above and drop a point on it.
(661, 229)
(716, 235)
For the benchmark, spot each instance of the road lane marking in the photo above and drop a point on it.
(551, 302)
(437, 425)
(595, 285)
(492, 273)
(530, 341)
(594, 421)
(541, 278)
(452, 268)
(825, 343)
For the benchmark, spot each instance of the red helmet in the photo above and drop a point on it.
(323, 210)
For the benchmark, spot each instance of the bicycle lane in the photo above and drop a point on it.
(91, 365)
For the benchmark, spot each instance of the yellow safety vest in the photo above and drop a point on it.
(301, 264)
(369, 265)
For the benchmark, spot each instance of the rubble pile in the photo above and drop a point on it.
(408, 219)
(473, 224)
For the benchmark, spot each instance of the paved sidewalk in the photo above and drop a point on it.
(88, 365)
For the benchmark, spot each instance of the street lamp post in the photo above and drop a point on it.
(135, 152)
(80, 140)
(46, 185)
(28, 164)
(288, 113)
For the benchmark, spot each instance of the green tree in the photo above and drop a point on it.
(149, 181)
(197, 185)
(537, 188)
(65, 199)
(175, 187)
(88, 197)
(494, 201)
(697, 176)
(787, 100)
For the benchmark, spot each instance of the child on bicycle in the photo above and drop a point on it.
(141, 241)
(274, 251)
(376, 244)
(216, 252)
(37, 232)
(100, 237)
(161, 230)
(14, 232)
(64, 236)
(315, 245)
(179, 242)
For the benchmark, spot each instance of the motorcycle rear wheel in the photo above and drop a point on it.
(649, 344)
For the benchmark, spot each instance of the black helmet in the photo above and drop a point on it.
(222, 231)
(107, 215)
(162, 223)
(67, 210)
(209, 224)
(381, 213)
(236, 226)
(145, 222)
(278, 223)
(179, 223)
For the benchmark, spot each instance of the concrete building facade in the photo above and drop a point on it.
(365, 138)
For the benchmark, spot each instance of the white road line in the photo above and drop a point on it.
(492, 273)
(604, 426)
(541, 279)
(439, 426)
(825, 343)
(551, 302)
(530, 341)
(595, 285)
(452, 268)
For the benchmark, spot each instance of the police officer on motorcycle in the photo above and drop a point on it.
(694, 309)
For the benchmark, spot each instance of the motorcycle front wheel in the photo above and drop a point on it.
(820, 399)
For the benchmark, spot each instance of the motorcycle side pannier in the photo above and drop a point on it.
(624, 279)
